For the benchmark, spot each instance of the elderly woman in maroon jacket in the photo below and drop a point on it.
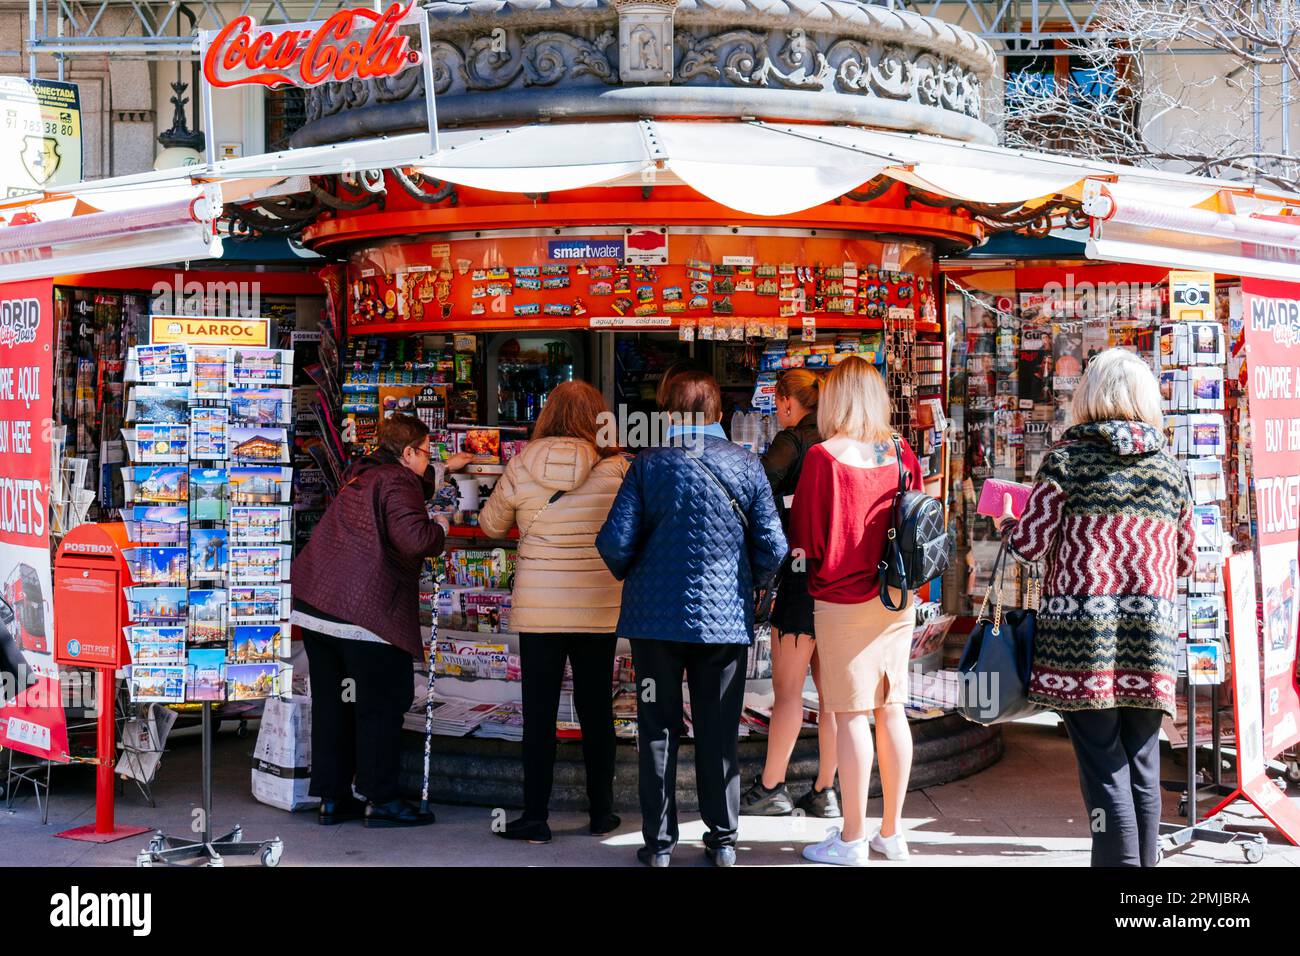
(356, 600)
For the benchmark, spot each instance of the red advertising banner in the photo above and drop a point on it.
(1271, 316)
(34, 722)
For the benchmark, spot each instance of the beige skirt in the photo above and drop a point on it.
(862, 651)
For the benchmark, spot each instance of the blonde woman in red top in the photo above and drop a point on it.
(838, 524)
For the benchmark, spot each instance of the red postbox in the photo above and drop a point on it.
(90, 612)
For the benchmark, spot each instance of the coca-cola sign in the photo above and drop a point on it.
(337, 49)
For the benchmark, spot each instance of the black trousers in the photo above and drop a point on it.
(541, 660)
(715, 676)
(1118, 751)
(359, 694)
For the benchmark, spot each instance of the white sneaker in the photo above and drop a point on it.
(836, 851)
(891, 848)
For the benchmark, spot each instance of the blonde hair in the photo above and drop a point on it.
(801, 384)
(1118, 386)
(854, 402)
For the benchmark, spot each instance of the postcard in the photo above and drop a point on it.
(208, 432)
(256, 604)
(164, 485)
(1204, 663)
(156, 565)
(160, 685)
(1204, 617)
(250, 524)
(259, 485)
(250, 564)
(208, 494)
(260, 406)
(258, 444)
(158, 363)
(163, 404)
(254, 643)
(208, 553)
(209, 367)
(250, 681)
(1207, 578)
(151, 603)
(257, 365)
(1208, 436)
(161, 443)
(206, 678)
(1206, 476)
(207, 616)
(1207, 523)
(161, 524)
(1207, 343)
(1205, 387)
(156, 645)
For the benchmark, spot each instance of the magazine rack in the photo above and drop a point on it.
(1211, 830)
(176, 851)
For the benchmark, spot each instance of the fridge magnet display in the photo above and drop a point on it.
(159, 485)
(162, 404)
(206, 677)
(208, 552)
(165, 604)
(254, 643)
(158, 685)
(208, 494)
(208, 432)
(258, 444)
(156, 565)
(250, 681)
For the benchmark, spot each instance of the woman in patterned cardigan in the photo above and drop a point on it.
(1110, 516)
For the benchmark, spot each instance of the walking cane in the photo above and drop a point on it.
(428, 700)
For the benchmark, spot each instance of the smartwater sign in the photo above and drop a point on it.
(567, 250)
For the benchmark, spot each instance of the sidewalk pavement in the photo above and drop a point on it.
(1023, 811)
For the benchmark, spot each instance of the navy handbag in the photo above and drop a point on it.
(993, 675)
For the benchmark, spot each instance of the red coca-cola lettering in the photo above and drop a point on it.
(310, 57)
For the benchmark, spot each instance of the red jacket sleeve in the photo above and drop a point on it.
(410, 529)
(810, 514)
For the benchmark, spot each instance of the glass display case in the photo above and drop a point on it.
(522, 368)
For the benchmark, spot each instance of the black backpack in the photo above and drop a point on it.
(917, 548)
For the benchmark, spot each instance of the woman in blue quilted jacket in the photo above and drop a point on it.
(693, 529)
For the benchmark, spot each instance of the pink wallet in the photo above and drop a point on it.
(990, 502)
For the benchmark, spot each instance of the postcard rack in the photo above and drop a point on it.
(210, 508)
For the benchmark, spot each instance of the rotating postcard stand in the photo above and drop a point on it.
(209, 445)
(171, 850)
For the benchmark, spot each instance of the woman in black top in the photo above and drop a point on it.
(793, 648)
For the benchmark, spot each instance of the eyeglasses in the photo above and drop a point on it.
(426, 449)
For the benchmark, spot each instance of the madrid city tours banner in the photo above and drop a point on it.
(34, 721)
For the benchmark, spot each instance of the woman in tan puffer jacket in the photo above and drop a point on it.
(565, 603)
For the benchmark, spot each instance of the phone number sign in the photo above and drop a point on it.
(40, 135)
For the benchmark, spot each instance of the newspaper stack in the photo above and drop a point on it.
(459, 718)
(505, 722)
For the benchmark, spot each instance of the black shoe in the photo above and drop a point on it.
(605, 823)
(654, 857)
(534, 831)
(340, 811)
(721, 855)
(397, 813)
(820, 803)
(758, 801)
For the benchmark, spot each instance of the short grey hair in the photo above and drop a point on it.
(1118, 385)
